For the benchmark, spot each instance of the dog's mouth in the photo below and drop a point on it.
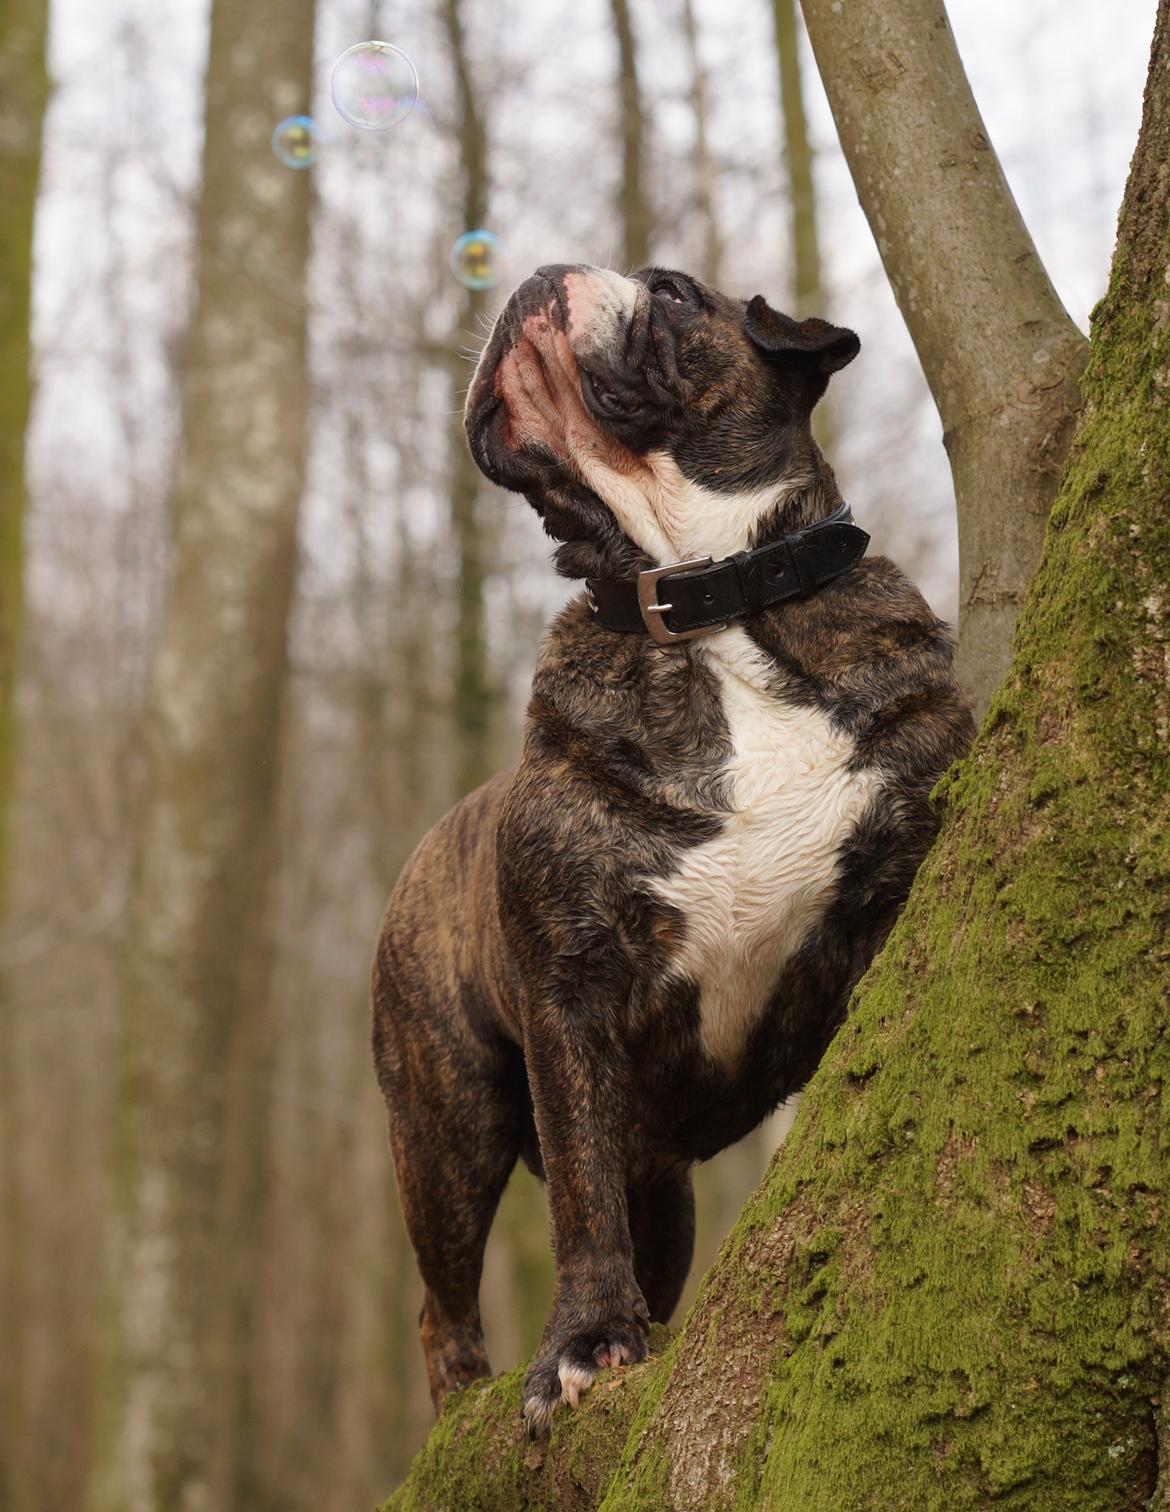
(487, 416)
(571, 351)
(608, 397)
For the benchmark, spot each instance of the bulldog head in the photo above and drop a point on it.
(649, 417)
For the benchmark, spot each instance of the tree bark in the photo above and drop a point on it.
(809, 295)
(1000, 353)
(633, 207)
(705, 174)
(23, 93)
(951, 1288)
(191, 1109)
(473, 692)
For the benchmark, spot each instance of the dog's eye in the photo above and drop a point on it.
(665, 289)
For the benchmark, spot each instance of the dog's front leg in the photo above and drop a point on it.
(579, 1075)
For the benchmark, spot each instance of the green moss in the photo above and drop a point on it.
(479, 1459)
(452, 1462)
(639, 1477)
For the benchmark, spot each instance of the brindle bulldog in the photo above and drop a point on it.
(618, 958)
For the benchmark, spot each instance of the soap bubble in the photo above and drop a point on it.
(374, 85)
(476, 259)
(296, 141)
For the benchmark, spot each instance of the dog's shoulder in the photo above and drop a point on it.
(872, 654)
(457, 853)
(873, 616)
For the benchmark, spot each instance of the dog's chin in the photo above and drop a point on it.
(518, 468)
(486, 425)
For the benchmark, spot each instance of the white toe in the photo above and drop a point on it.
(575, 1379)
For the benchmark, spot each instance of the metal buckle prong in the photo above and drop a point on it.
(652, 611)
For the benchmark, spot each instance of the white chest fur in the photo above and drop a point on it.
(751, 894)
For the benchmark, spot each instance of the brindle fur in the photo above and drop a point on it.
(523, 999)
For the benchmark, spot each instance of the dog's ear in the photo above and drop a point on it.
(814, 343)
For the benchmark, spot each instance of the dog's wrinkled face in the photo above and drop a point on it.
(649, 415)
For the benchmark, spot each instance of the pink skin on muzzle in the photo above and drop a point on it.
(539, 382)
(587, 299)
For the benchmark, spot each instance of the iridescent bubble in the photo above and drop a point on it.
(374, 85)
(296, 141)
(476, 259)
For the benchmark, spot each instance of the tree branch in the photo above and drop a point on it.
(635, 212)
(999, 351)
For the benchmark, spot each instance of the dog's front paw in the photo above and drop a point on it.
(563, 1370)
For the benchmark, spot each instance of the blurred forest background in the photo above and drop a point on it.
(261, 622)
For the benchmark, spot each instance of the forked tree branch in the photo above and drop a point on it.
(1000, 353)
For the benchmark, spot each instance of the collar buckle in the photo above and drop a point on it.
(652, 611)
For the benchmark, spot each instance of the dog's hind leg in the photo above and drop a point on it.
(662, 1228)
(455, 1133)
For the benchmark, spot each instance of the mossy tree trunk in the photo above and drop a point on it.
(998, 349)
(23, 93)
(951, 1289)
(190, 1140)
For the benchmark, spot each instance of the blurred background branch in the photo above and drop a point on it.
(23, 91)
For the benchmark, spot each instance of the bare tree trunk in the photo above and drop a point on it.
(808, 285)
(190, 1133)
(473, 694)
(807, 288)
(23, 92)
(951, 1289)
(1000, 353)
(712, 268)
(633, 207)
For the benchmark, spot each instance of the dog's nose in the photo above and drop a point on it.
(532, 296)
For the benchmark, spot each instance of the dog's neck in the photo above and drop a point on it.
(663, 516)
(799, 501)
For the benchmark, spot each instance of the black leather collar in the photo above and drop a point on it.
(698, 597)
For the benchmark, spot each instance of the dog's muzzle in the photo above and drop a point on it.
(596, 319)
